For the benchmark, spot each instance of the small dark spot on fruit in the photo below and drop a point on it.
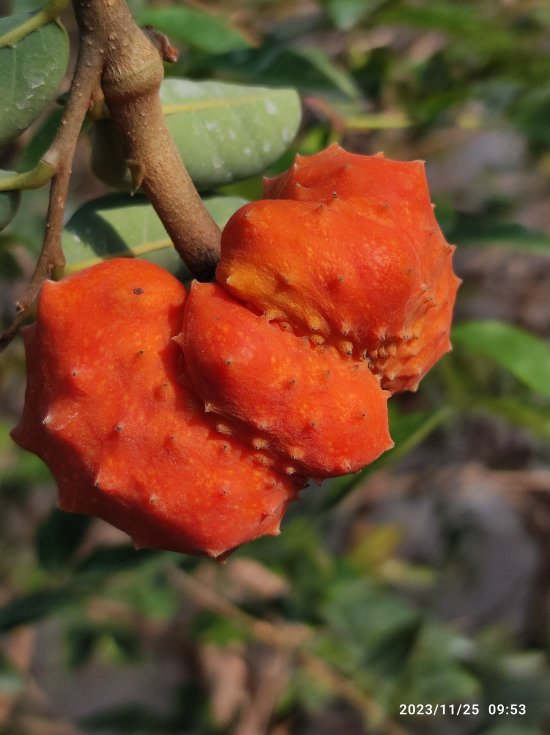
(140, 353)
(138, 291)
(119, 428)
(334, 195)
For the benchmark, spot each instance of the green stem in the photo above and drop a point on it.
(49, 12)
(33, 179)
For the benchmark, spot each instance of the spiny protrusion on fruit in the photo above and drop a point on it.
(273, 377)
(263, 459)
(345, 347)
(260, 443)
(163, 493)
(224, 429)
(386, 258)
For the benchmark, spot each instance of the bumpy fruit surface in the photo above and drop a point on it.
(191, 422)
(318, 413)
(346, 248)
(109, 410)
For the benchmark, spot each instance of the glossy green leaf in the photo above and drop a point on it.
(196, 28)
(522, 354)
(223, 132)
(32, 71)
(118, 225)
(9, 203)
(226, 132)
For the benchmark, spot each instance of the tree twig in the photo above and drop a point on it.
(59, 158)
(118, 62)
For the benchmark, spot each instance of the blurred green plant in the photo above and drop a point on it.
(396, 70)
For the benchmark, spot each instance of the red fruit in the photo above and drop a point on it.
(109, 410)
(350, 253)
(318, 413)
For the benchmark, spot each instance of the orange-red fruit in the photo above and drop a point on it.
(109, 410)
(347, 249)
(315, 411)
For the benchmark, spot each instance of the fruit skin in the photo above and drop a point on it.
(108, 408)
(347, 249)
(318, 413)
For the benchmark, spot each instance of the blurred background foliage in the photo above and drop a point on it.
(426, 577)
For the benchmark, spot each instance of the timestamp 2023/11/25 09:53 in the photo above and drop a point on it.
(462, 709)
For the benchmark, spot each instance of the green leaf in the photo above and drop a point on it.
(35, 606)
(223, 132)
(119, 225)
(9, 203)
(477, 231)
(59, 536)
(521, 413)
(371, 623)
(337, 75)
(525, 356)
(40, 141)
(433, 672)
(407, 431)
(196, 28)
(108, 560)
(32, 71)
(347, 13)
(310, 71)
(11, 679)
(509, 729)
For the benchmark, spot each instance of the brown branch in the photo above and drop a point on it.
(132, 75)
(274, 637)
(59, 157)
(123, 64)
